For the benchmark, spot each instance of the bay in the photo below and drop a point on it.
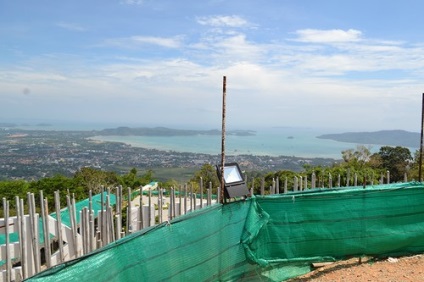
(277, 141)
(267, 142)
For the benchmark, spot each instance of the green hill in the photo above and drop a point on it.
(383, 137)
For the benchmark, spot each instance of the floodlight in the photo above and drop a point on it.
(234, 184)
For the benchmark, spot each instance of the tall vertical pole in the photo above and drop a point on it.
(224, 94)
(421, 144)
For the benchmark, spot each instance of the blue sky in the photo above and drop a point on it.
(348, 65)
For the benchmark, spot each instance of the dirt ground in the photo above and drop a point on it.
(352, 270)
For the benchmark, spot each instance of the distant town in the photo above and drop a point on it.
(34, 154)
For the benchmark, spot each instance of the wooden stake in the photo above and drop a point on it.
(6, 226)
(24, 260)
(224, 93)
(102, 216)
(59, 226)
(91, 218)
(421, 144)
(150, 207)
(140, 214)
(201, 192)
(185, 198)
(34, 232)
(130, 227)
(160, 205)
(181, 205)
(47, 249)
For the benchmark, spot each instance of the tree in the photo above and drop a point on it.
(133, 181)
(130, 179)
(146, 177)
(267, 180)
(208, 174)
(9, 190)
(357, 158)
(63, 184)
(171, 183)
(395, 160)
(92, 179)
(414, 167)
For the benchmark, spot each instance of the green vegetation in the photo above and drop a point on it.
(359, 162)
(179, 174)
(368, 168)
(207, 174)
(79, 185)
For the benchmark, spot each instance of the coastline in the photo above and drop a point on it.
(274, 146)
(273, 142)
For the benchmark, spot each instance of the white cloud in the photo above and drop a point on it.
(132, 2)
(300, 83)
(30, 76)
(328, 36)
(346, 54)
(136, 41)
(223, 21)
(71, 26)
(178, 90)
(160, 41)
(236, 48)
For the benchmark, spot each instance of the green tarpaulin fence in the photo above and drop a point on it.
(269, 238)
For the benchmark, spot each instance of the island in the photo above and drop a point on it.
(382, 137)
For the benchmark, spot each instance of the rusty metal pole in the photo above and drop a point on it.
(421, 144)
(224, 94)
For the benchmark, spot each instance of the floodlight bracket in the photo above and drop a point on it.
(234, 183)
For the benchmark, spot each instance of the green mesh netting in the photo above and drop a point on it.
(65, 217)
(328, 225)
(269, 238)
(96, 206)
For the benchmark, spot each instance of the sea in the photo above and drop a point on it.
(270, 142)
(273, 141)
